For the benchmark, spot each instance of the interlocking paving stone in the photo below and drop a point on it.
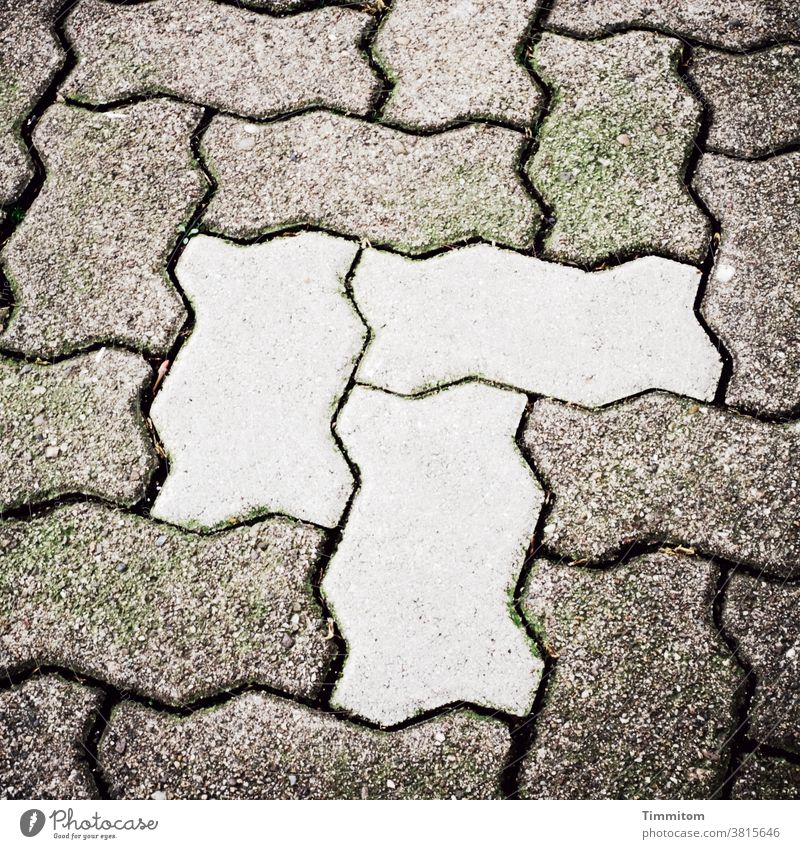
(754, 100)
(43, 727)
(158, 611)
(245, 413)
(764, 777)
(30, 55)
(612, 151)
(222, 56)
(544, 328)
(753, 295)
(257, 746)
(87, 263)
(422, 580)
(764, 619)
(455, 60)
(736, 24)
(640, 702)
(414, 193)
(664, 469)
(74, 427)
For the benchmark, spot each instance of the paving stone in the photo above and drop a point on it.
(30, 55)
(765, 777)
(544, 328)
(612, 151)
(764, 619)
(245, 413)
(753, 295)
(640, 701)
(383, 185)
(158, 611)
(88, 262)
(44, 724)
(754, 100)
(736, 24)
(664, 469)
(258, 746)
(456, 60)
(74, 427)
(230, 58)
(422, 580)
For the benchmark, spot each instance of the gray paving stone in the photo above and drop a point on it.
(764, 619)
(455, 61)
(422, 580)
(222, 56)
(30, 55)
(245, 412)
(544, 328)
(753, 295)
(258, 746)
(764, 777)
(170, 615)
(640, 702)
(612, 151)
(659, 469)
(44, 724)
(754, 100)
(735, 24)
(414, 193)
(74, 427)
(88, 262)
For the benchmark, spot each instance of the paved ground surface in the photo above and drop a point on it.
(400, 399)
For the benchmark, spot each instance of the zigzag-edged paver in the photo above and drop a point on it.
(766, 777)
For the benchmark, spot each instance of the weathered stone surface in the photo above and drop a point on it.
(753, 297)
(455, 61)
(736, 24)
(414, 193)
(43, 728)
(544, 328)
(612, 151)
(764, 619)
(640, 704)
(230, 58)
(245, 413)
(665, 469)
(88, 262)
(257, 746)
(422, 579)
(764, 777)
(170, 615)
(754, 100)
(30, 55)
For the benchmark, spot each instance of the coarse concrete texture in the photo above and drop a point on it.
(613, 149)
(160, 612)
(413, 193)
(422, 581)
(245, 413)
(87, 263)
(663, 469)
(44, 724)
(764, 619)
(763, 777)
(641, 701)
(753, 296)
(754, 100)
(219, 55)
(258, 746)
(30, 55)
(456, 60)
(548, 329)
(734, 24)
(74, 427)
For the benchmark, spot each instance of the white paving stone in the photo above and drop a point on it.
(245, 414)
(422, 580)
(587, 338)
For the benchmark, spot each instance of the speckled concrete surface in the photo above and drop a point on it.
(764, 777)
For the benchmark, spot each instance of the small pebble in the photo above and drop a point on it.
(624, 139)
(287, 642)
